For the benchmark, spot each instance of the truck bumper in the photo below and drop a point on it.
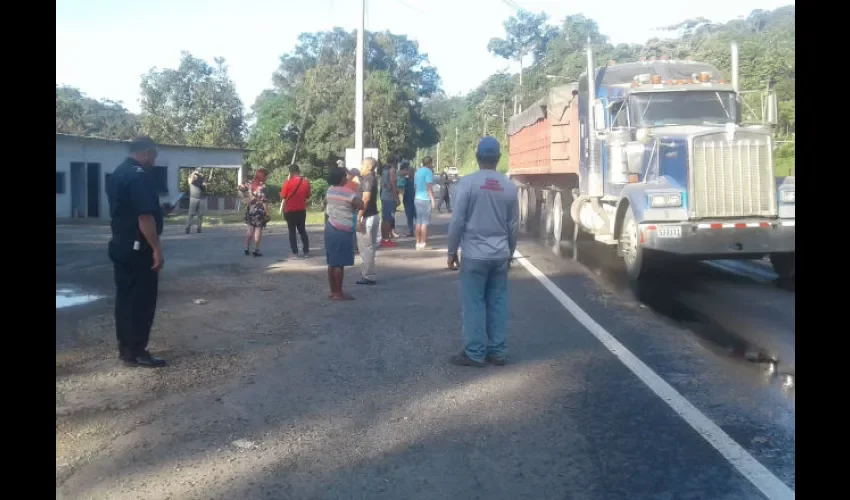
(719, 239)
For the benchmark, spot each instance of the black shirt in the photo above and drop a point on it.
(131, 193)
(369, 184)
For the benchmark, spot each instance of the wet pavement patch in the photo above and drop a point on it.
(69, 297)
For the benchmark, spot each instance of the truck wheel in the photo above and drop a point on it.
(546, 215)
(522, 196)
(638, 262)
(785, 267)
(557, 218)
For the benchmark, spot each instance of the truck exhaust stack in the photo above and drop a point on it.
(735, 68)
(594, 170)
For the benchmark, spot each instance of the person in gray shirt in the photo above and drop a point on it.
(484, 226)
(197, 193)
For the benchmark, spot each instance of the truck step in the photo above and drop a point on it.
(605, 238)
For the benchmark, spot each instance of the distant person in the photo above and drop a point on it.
(293, 197)
(423, 200)
(342, 206)
(484, 223)
(367, 221)
(256, 213)
(197, 199)
(135, 251)
(444, 193)
(408, 196)
(389, 201)
(351, 177)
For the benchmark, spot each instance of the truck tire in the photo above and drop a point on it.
(638, 263)
(532, 222)
(785, 267)
(558, 218)
(522, 203)
(546, 215)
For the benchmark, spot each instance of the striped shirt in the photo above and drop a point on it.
(340, 209)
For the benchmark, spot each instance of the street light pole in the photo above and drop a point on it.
(455, 164)
(358, 86)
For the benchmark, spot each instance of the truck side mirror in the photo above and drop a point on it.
(598, 116)
(771, 108)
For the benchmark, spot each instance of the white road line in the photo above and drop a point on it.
(772, 487)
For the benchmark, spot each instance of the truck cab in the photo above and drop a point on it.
(667, 168)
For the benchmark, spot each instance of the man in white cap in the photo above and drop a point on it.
(484, 225)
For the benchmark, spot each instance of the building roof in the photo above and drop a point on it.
(119, 141)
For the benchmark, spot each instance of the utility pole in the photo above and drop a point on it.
(358, 87)
(455, 164)
(504, 123)
(438, 157)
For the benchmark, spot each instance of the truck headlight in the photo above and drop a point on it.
(787, 196)
(665, 200)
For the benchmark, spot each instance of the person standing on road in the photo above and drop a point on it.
(367, 221)
(444, 193)
(294, 195)
(197, 199)
(257, 213)
(351, 179)
(485, 223)
(408, 197)
(341, 210)
(389, 201)
(135, 251)
(423, 200)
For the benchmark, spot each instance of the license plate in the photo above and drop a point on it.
(669, 232)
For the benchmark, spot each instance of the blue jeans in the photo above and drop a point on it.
(484, 302)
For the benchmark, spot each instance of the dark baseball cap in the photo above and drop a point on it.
(488, 147)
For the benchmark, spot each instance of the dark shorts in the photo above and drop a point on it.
(339, 247)
(388, 210)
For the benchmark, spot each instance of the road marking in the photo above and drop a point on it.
(772, 487)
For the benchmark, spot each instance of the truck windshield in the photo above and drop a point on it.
(658, 109)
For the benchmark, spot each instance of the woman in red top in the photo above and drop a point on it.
(293, 197)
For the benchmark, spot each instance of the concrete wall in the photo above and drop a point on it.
(110, 153)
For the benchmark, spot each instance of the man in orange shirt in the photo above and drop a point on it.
(293, 196)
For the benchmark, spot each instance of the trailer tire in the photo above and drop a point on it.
(546, 214)
(522, 199)
(785, 267)
(557, 218)
(532, 221)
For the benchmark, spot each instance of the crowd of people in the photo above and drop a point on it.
(483, 229)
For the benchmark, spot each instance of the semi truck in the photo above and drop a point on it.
(653, 159)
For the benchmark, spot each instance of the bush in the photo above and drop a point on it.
(273, 193)
(318, 190)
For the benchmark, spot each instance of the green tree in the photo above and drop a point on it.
(314, 89)
(78, 114)
(193, 105)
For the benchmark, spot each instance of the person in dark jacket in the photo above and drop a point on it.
(135, 251)
(408, 195)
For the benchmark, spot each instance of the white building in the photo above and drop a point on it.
(83, 165)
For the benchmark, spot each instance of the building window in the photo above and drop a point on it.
(60, 182)
(160, 176)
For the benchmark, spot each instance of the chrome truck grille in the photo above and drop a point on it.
(732, 179)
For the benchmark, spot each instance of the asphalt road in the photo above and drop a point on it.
(356, 400)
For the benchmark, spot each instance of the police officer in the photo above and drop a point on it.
(135, 251)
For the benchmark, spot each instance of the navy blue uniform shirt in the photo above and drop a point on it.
(131, 193)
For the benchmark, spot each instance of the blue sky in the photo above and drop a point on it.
(104, 46)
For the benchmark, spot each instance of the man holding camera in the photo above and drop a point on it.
(197, 193)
